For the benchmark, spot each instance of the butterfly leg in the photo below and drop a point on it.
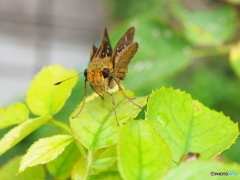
(84, 98)
(114, 106)
(102, 96)
(123, 93)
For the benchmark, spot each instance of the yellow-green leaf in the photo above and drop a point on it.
(143, 154)
(19, 132)
(45, 150)
(188, 126)
(14, 114)
(105, 158)
(43, 97)
(104, 163)
(79, 169)
(61, 167)
(9, 171)
(203, 169)
(96, 127)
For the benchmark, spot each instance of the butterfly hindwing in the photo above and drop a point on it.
(92, 52)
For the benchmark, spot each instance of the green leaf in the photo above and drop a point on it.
(202, 169)
(43, 98)
(106, 152)
(111, 175)
(19, 132)
(79, 169)
(105, 158)
(9, 170)
(76, 177)
(188, 126)
(45, 150)
(209, 27)
(14, 114)
(96, 127)
(161, 53)
(235, 59)
(104, 163)
(143, 154)
(61, 167)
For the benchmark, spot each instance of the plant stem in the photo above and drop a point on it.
(89, 163)
(61, 125)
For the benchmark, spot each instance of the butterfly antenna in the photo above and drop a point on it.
(67, 79)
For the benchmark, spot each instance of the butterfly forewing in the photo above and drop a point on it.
(123, 54)
(105, 49)
(123, 59)
(123, 43)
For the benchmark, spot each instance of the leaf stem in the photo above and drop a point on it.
(61, 125)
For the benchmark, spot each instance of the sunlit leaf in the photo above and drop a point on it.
(61, 167)
(76, 177)
(79, 169)
(43, 98)
(45, 150)
(188, 126)
(14, 114)
(235, 58)
(203, 169)
(143, 154)
(9, 171)
(19, 132)
(210, 27)
(105, 158)
(104, 163)
(96, 127)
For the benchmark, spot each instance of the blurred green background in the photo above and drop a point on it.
(182, 44)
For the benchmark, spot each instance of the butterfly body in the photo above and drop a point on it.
(106, 67)
(97, 76)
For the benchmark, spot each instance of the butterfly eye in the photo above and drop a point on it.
(105, 72)
(85, 73)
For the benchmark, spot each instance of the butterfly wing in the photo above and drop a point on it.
(105, 49)
(92, 52)
(123, 53)
(123, 59)
(123, 43)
